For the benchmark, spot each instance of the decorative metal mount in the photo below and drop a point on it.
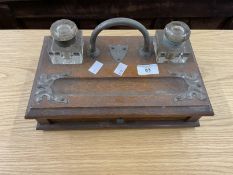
(118, 52)
(44, 89)
(195, 88)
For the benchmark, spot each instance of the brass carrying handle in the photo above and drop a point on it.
(144, 52)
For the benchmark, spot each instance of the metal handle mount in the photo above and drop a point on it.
(144, 52)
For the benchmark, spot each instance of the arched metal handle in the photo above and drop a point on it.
(144, 52)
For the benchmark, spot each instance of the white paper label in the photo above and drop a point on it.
(95, 67)
(120, 69)
(148, 69)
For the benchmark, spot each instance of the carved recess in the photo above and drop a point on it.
(195, 87)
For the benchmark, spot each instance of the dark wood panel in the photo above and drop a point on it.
(206, 14)
(7, 20)
(128, 8)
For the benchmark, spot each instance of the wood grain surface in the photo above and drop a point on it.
(204, 150)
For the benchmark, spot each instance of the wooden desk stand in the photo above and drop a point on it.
(70, 97)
